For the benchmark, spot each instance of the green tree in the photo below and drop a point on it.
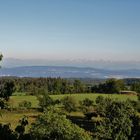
(78, 86)
(69, 103)
(53, 125)
(119, 121)
(6, 88)
(110, 86)
(1, 56)
(44, 99)
(87, 102)
(135, 87)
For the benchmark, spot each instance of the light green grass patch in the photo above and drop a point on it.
(15, 100)
(93, 96)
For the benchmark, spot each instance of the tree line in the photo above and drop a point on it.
(54, 86)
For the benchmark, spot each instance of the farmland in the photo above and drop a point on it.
(15, 100)
(14, 116)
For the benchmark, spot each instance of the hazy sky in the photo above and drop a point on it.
(70, 29)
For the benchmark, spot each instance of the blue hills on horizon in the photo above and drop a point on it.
(68, 72)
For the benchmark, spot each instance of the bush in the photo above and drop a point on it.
(25, 105)
(69, 104)
(119, 122)
(45, 101)
(99, 99)
(87, 102)
(3, 104)
(53, 125)
(6, 132)
(6, 88)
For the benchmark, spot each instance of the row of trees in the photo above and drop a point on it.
(53, 85)
(63, 86)
(110, 86)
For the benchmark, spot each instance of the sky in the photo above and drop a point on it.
(70, 29)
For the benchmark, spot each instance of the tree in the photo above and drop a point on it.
(135, 87)
(1, 56)
(69, 103)
(53, 125)
(44, 99)
(87, 102)
(119, 121)
(86, 106)
(20, 129)
(78, 86)
(6, 88)
(110, 86)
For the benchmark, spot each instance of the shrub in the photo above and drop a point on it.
(45, 101)
(3, 104)
(87, 102)
(99, 99)
(25, 105)
(6, 88)
(119, 122)
(20, 129)
(53, 125)
(6, 132)
(69, 103)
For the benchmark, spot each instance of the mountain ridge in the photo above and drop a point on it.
(68, 72)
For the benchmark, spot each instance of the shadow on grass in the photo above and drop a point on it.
(88, 125)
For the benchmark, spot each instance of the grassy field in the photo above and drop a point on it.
(14, 116)
(93, 97)
(15, 100)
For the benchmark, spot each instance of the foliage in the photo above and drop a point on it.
(69, 103)
(44, 99)
(99, 99)
(135, 87)
(78, 86)
(3, 104)
(6, 88)
(1, 57)
(110, 86)
(87, 102)
(102, 105)
(59, 86)
(118, 122)
(20, 129)
(53, 125)
(53, 85)
(86, 106)
(6, 132)
(25, 104)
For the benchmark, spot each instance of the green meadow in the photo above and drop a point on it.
(15, 100)
(13, 117)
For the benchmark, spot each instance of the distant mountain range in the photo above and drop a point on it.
(101, 64)
(68, 72)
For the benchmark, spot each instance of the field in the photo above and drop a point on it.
(15, 100)
(14, 116)
(93, 96)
